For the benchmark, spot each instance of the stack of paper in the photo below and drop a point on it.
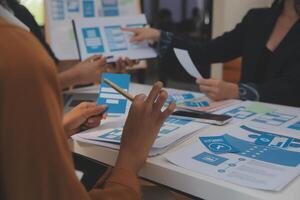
(173, 131)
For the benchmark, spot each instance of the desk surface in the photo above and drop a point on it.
(159, 170)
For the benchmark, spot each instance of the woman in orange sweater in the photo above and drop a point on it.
(35, 161)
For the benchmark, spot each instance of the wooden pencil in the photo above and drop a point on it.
(118, 89)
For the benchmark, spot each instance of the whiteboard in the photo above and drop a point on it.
(59, 15)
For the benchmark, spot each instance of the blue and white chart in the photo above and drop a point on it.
(61, 12)
(115, 102)
(244, 155)
(173, 131)
(109, 39)
(276, 116)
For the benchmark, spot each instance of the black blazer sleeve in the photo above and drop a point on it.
(221, 49)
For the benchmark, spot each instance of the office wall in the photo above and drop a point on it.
(226, 14)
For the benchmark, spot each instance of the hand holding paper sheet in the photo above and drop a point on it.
(187, 63)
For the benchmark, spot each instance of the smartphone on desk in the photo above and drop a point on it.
(204, 117)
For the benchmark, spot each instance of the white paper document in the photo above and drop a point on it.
(105, 36)
(266, 160)
(173, 131)
(264, 115)
(186, 62)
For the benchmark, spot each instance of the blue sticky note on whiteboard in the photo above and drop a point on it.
(218, 145)
(93, 40)
(110, 7)
(88, 7)
(115, 101)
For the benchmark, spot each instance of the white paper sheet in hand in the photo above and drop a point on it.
(185, 60)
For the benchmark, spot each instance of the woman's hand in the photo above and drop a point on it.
(141, 128)
(87, 115)
(89, 70)
(218, 90)
(142, 34)
(120, 65)
(85, 72)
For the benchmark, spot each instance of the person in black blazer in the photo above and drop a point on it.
(267, 39)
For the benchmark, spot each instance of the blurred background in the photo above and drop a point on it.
(201, 20)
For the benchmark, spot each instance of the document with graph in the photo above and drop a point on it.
(245, 155)
(105, 36)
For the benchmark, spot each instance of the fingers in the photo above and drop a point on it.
(92, 110)
(129, 62)
(154, 92)
(135, 62)
(93, 121)
(161, 99)
(134, 30)
(137, 38)
(101, 61)
(207, 82)
(122, 63)
(139, 99)
(94, 58)
(208, 89)
(168, 111)
(119, 64)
